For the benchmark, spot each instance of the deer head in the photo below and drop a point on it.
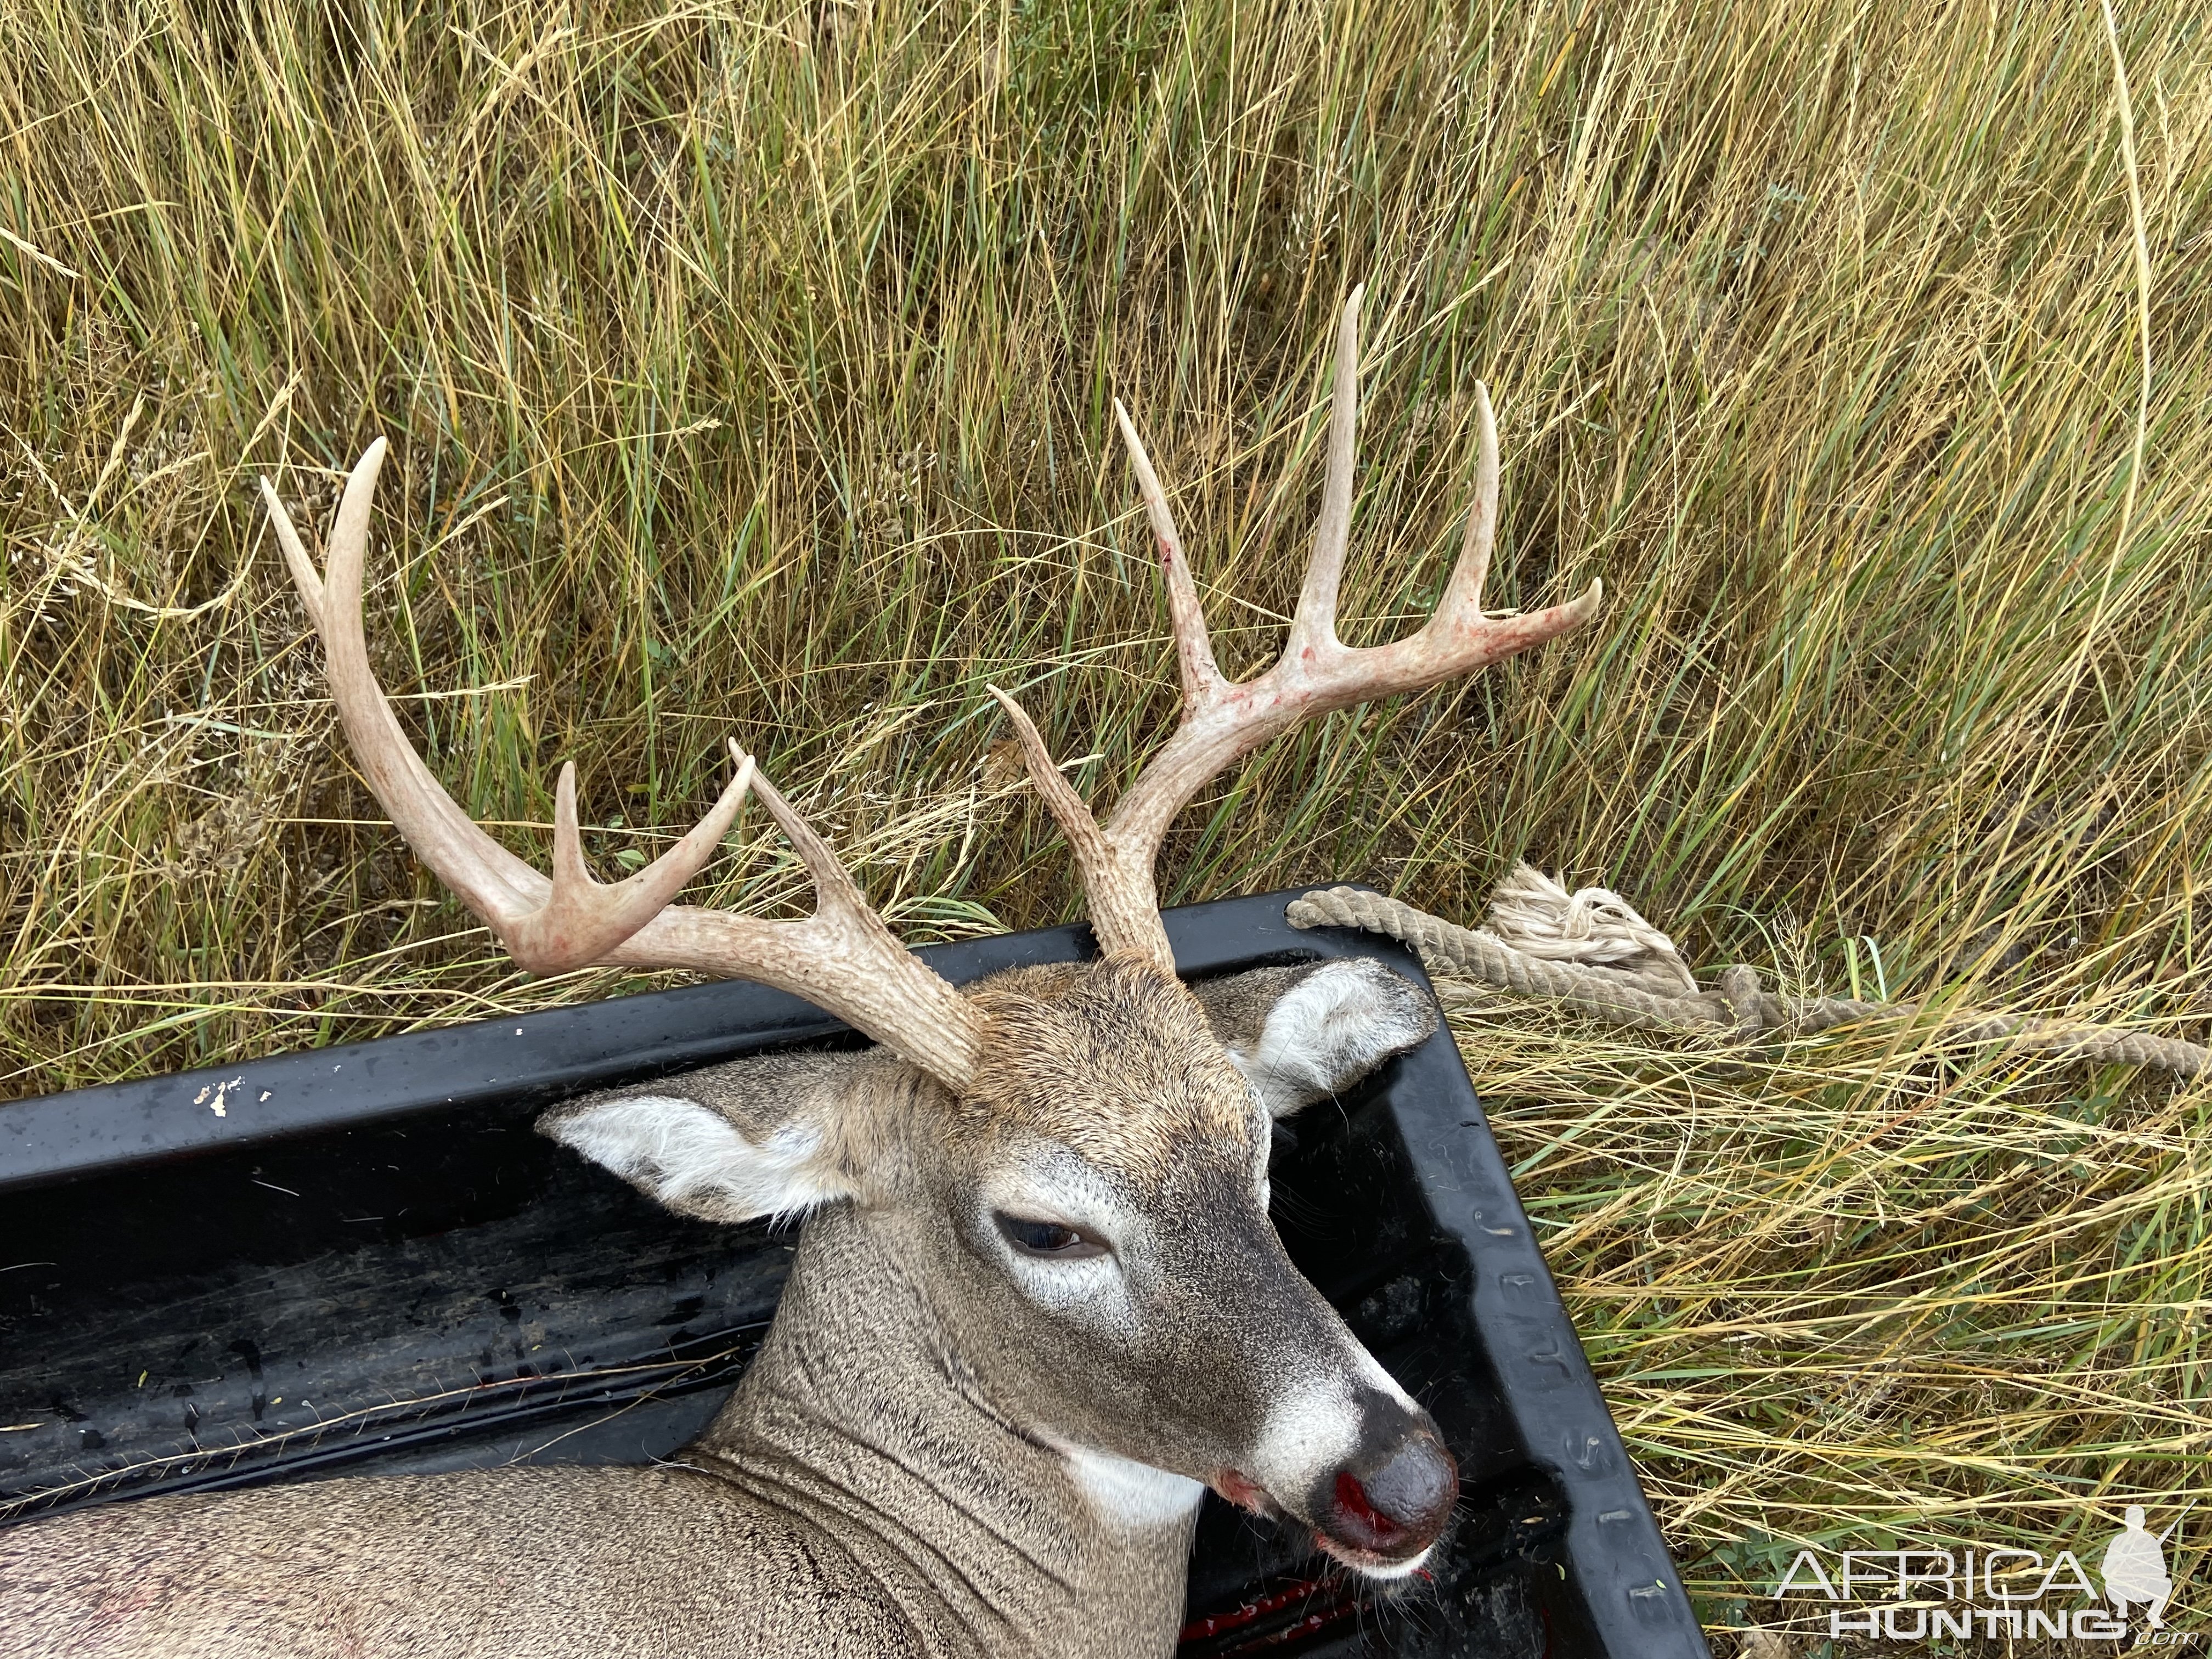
(1066, 1165)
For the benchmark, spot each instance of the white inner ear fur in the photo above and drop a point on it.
(1330, 1029)
(693, 1160)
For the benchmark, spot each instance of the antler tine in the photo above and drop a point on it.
(1194, 645)
(1116, 914)
(1059, 798)
(547, 926)
(490, 880)
(584, 919)
(841, 958)
(835, 892)
(1313, 625)
(1462, 595)
(1317, 672)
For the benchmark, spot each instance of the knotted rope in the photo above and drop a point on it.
(1592, 950)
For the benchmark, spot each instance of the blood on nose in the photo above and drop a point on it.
(1402, 1503)
(1352, 1501)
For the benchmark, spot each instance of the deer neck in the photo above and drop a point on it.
(860, 1414)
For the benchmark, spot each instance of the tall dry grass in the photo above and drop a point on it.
(748, 370)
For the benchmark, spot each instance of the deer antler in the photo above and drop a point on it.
(841, 958)
(1317, 672)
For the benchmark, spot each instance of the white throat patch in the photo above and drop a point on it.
(1128, 1496)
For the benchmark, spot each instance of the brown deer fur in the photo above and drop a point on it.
(921, 1460)
(1037, 1308)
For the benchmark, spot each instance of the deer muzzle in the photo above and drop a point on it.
(1376, 1503)
(1385, 1504)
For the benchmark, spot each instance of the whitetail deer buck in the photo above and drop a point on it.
(1037, 1306)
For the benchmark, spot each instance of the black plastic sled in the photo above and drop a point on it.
(362, 1258)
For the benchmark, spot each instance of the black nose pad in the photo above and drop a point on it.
(1415, 1490)
(1394, 1498)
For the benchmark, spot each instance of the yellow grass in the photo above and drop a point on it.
(748, 371)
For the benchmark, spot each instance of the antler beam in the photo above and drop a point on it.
(841, 958)
(1317, 672)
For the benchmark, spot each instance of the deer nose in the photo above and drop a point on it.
(1392, 1501)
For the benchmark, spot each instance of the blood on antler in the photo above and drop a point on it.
(1222, 721)
(842, 957)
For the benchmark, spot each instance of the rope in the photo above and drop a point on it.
(1592, 951)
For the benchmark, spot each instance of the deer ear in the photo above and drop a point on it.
(1304, 1034)
(730, 1143)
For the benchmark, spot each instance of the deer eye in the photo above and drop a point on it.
(1048, 1239)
